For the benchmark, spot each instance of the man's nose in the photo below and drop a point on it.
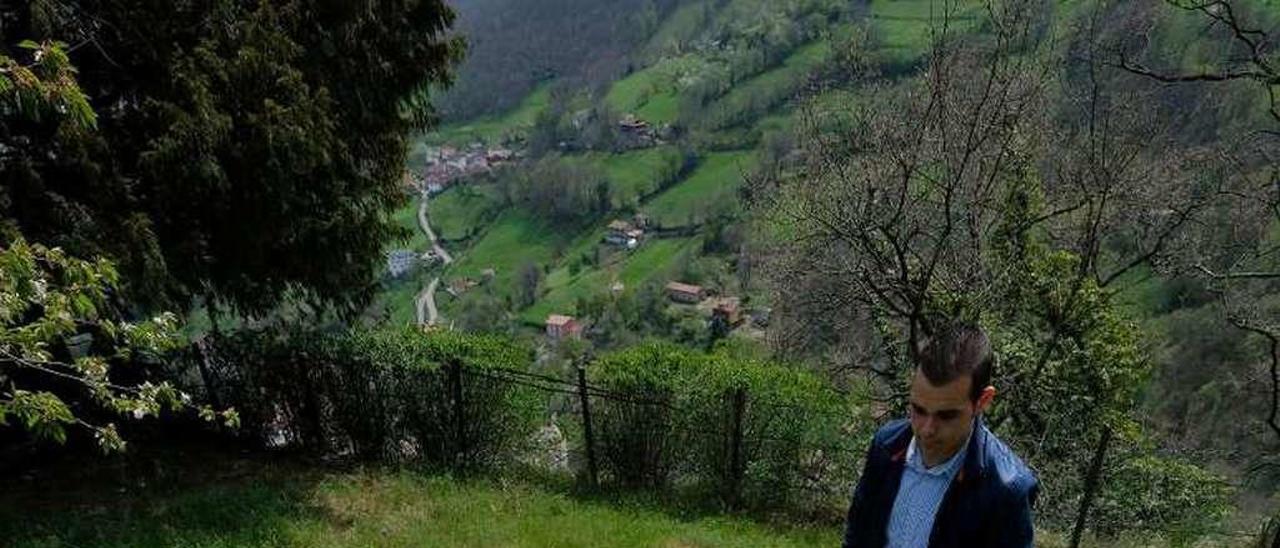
(928, 427)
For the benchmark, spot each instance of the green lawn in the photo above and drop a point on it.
(660, 108)
(651, 93)
(633, 175)
(648, 93)
(514, 238)
(491, 129)
(401, 300)
(756, 95)
(461, 209)
(649, 262)
(902, 27)
(282, 506)
(713, 183)
(684, 24)
(397, 301)
(407, 217)
(629, 93)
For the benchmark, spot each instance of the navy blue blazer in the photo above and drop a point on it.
(988, 503)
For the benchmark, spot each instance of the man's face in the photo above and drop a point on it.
(942, 416)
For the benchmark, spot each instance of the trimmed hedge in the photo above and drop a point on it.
(381, 395)
(752, 432)
(795, 443)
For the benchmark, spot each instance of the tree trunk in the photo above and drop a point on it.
(1091, 486)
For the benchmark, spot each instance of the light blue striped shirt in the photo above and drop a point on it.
(919, 496)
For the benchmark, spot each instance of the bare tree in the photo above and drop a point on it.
(896, 212)
(1242, 267)
(1257, 64)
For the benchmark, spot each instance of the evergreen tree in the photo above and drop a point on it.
(244, 149)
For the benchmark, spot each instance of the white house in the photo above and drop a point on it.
(401, 261)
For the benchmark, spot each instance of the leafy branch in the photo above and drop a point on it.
(47, 299)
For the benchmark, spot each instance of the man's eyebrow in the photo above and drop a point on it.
(953, 411)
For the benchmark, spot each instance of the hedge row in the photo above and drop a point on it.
(386, 395)
(758, 433)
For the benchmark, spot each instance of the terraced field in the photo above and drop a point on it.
(712, 184)
(640, 180)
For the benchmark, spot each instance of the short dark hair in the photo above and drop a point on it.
(957, 350)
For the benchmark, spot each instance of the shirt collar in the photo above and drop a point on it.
(915, 459)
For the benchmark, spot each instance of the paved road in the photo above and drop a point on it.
(431, 235)
(426, 301)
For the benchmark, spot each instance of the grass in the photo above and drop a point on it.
(629, 93)
(684, 24)
(407, 217)
(754, 96)
(633, 175)
(457, 212)
(246, 503)
(514, 239)
(492, 129)
(660, 108)
(647, 93)
(652, 93)
(399, 299)
(903, 26)
(650, 261)
(713, 183)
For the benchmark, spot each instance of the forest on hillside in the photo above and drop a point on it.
(681, 250)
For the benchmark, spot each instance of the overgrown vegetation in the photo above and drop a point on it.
(1031, 167)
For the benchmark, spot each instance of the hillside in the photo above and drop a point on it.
(724, 85)
(690, 74)
(650, 273)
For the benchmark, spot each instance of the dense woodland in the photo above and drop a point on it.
(197, 201)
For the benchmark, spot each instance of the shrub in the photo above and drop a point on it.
(382, 395)
(755, 433)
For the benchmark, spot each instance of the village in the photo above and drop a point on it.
(446, 166)
(724, 310)
(716, 309)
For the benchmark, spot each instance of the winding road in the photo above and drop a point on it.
(426, 300)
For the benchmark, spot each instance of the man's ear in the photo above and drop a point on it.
(985, 398)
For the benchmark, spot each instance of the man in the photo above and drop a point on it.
(941, 479)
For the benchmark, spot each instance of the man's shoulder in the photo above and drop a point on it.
(891, 432)
(1006, 470)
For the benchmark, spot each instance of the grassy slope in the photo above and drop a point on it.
(460, 210)
(713, 182)
(772, 86)
(514, 238)
(400, 299)
(647, 93)
(407, 218)
(902, 27)
(491, 129)
(284, 506)
(635, 174)
(650, 262)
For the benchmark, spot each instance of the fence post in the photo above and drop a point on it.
(587, 431)
(459, 415)
(736, 468)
